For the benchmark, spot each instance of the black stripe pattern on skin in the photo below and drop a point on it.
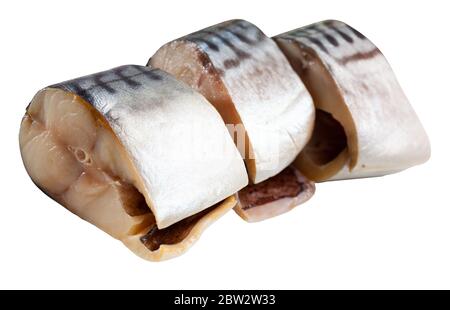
(302, 33)
(107, 81)
(208, 43)
(342, 34)
(239, 53)
(332, 34)
(77, 89)
(359, 56)
(331, 39)
(228, 34)
(356, 32)
(123, 77)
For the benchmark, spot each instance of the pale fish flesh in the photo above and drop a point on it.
(127, 150)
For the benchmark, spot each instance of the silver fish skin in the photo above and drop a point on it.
(142, 106)
(247, 78)
(136, 153)
(350, 78)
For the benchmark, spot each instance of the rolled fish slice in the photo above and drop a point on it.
(129, 150)
(250, 82)
(364, 124)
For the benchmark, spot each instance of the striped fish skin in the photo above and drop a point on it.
(350, 79)
(250, 82)
(108, 147)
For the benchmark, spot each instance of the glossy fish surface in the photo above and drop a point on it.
(245, 76)
(127, 150)
(356, 92)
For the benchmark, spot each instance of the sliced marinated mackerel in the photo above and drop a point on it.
(364, 124)
(250, 82)
(133, 151)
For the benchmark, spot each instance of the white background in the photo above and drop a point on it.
(391, 232)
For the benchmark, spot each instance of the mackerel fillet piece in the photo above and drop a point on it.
(126, 150)
(249, 81)
(364, 124)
